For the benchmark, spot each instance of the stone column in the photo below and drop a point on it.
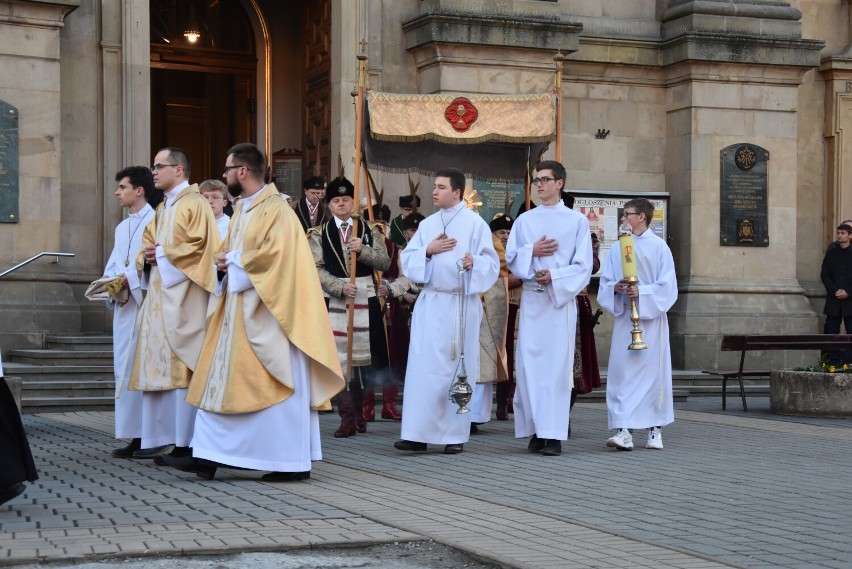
(733, 70)
(36, 297)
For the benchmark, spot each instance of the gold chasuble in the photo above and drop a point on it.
(171, 321)
(245, 362)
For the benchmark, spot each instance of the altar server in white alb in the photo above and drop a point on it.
(450, 239)
(639, 382)
(550, 248)
(135, 186)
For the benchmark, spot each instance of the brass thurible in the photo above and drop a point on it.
(637, 342)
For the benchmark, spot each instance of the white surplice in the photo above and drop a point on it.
(547, 323)
(429, 415)
(639, 382)
(284, 437)
(122, 261)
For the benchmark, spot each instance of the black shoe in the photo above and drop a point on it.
(11, 491)
(286, 476)
(203, 468)
(474, 430)
(552, 447)
(150, 452)
(177, 452)
(127, 451)
(536, 444)
(453, 449)
(409, 445)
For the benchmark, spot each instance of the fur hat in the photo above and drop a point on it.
(411, 201)
(314, 183)
(339, 187)
(381, 213)
(411, 222)
(500, 221)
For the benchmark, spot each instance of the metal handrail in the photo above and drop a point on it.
(31, 259)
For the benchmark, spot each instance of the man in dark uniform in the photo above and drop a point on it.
(407, 205)
(311, 211)
(836, 275)
(332, 243)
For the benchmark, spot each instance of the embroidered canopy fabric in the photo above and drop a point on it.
(486, 136)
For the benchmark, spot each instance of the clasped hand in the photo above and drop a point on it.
(626, 288)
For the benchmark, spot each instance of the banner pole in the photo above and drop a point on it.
(557, 88)
(353, 258)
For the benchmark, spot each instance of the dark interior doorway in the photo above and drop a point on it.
(203, 80)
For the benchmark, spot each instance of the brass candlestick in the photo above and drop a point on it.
(638, 343)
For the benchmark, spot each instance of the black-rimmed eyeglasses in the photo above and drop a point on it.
(227, 168)
(542, 180)
(158, 167)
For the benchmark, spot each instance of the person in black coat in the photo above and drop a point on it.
(16, 460)
(836, 276)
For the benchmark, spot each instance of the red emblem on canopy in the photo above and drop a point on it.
(461, 114)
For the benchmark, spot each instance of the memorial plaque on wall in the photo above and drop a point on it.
(492, 197)
(287, 172)
(742, 199)
(8, 163)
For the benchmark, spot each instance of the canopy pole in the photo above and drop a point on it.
(557, 88)
(353, 258)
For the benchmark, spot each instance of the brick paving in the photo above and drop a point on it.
(731, 489)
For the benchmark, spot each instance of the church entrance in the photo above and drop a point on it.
(203, 80)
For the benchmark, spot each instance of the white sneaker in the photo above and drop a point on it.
(622, 440)
(655, 438)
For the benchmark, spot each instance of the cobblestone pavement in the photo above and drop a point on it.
(730, 489)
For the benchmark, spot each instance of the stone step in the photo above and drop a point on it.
(66, 405)
(599, 395)
(62, 357)
(81, 342)
(30, 372)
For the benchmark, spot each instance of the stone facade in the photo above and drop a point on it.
(674, 81)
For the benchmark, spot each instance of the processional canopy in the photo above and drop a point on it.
(490, 137)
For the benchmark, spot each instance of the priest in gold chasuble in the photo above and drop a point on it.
(268, 362)
(177, 265)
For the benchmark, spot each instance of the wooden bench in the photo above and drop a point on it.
(743, 344)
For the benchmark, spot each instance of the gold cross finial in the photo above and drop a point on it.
(363, 44)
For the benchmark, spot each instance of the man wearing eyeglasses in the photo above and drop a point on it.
(639, 382)
(550, 249)
(268, 361)
(177, 266)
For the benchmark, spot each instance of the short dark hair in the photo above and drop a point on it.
(250, 156)
(845, 227)
(139, 176)
(456, 177)
(642, 205)
(178, 156)
(556, 167)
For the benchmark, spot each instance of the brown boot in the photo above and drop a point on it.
(389, 410)
(370, 405)
(346, 411)
(358, 405)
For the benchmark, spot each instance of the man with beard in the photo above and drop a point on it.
(268, 362)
